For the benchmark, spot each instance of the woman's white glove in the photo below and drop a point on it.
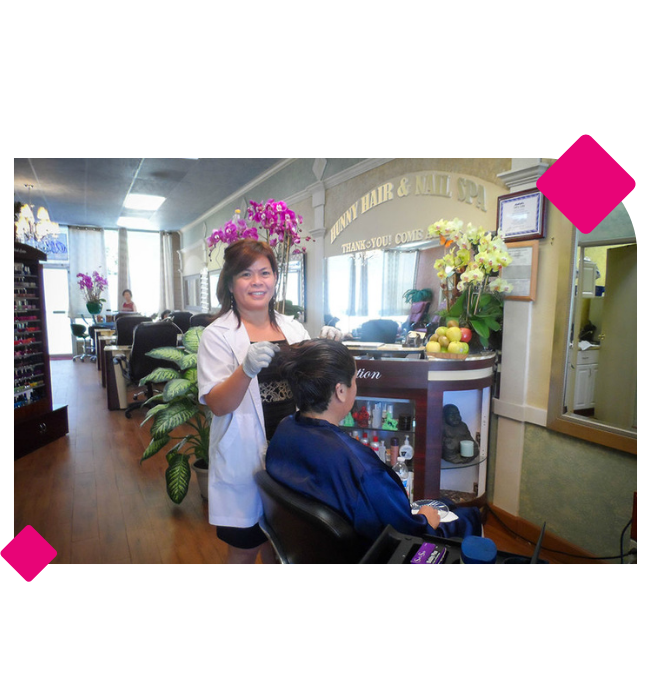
(331, 333)
(258, 356)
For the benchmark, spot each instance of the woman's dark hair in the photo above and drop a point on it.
(239, 256)
(125, 291)
(313, 368)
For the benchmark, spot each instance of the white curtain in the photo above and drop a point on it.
(166, 272)
(399, 276)
(124, 277)
(87, 254)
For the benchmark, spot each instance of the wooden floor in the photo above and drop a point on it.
(88, 495)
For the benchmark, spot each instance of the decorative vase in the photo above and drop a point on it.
(94, 307)
(200, 468)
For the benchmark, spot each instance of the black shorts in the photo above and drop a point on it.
(242, 537)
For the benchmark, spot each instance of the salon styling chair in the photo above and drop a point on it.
(125, 326)
(146, 336)
(304, 531)
(202, 320)
(80, 332)
(379, 330)
(182, 319)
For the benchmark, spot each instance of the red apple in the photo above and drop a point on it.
(466, 335)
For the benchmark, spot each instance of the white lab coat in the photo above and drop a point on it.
(238, 443)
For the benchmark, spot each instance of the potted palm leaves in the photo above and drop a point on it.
(178, 416)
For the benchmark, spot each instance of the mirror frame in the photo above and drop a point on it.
(570, 423)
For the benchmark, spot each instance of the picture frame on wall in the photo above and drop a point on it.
(521, 215)
(522, 273)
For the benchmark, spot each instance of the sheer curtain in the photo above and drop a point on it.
(124, 277)
(87, 253)
(398, 276)
(166, 272)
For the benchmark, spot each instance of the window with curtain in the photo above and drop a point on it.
(87, 253)
(144, 267)
(144, 271)
(371, 285)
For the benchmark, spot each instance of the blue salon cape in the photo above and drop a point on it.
(318, 459)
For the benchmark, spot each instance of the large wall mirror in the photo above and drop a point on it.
(593, 393)
(370, 285)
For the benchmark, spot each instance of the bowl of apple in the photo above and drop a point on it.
(449, 342)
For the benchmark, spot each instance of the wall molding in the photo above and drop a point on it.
(354, 171)
(520, 412)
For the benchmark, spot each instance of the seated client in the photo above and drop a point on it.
(310, 454)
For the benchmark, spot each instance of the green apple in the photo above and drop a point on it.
(455, 347)
(453, 333)
(433, 346)
(441, 330)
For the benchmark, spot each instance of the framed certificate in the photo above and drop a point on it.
(521, 215)
(522, 273)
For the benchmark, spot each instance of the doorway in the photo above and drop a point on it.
(59, 336)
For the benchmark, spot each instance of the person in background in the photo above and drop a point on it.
(127, 304)
(244, 392)
(166, 314)
(310, 454)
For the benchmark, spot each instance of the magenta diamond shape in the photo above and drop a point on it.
(585, 184)
(28, 553)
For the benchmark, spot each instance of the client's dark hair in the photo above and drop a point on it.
(313, 368)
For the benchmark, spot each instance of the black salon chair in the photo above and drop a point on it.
(379, 330)
(182, 319)
(304, 531)
(202, 320)
(80, 332)
(125, 326)
(146, 336)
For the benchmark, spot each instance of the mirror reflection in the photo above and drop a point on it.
(601, 372)
(369, 285)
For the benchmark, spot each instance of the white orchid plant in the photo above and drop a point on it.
(470, 275)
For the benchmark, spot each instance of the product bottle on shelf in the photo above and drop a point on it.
(375, 444)
(401, 470)
(377, 416)
(382, 451)
(364, 438)
(355, 435)
(395, 450)
(406, 450)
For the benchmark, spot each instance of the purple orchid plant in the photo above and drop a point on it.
(92, 286)
(275, 223)
(280, 227)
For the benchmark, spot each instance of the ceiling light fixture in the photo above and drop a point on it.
(30, 229)
(143, 202)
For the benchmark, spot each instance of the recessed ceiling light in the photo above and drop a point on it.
(136, 224)
(144, 202)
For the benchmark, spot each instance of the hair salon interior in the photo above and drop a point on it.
(558, 426)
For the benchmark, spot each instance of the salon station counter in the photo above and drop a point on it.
(416, 391)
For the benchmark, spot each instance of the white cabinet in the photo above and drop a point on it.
(585, 378)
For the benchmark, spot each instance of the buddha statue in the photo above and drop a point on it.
(454, 431)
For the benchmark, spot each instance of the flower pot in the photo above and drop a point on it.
(200, 468)
(94, 307)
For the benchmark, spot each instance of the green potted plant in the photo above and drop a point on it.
(178, 416)
(470, 276)
(412, 296)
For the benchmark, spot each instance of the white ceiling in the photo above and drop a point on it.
(91, 191)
